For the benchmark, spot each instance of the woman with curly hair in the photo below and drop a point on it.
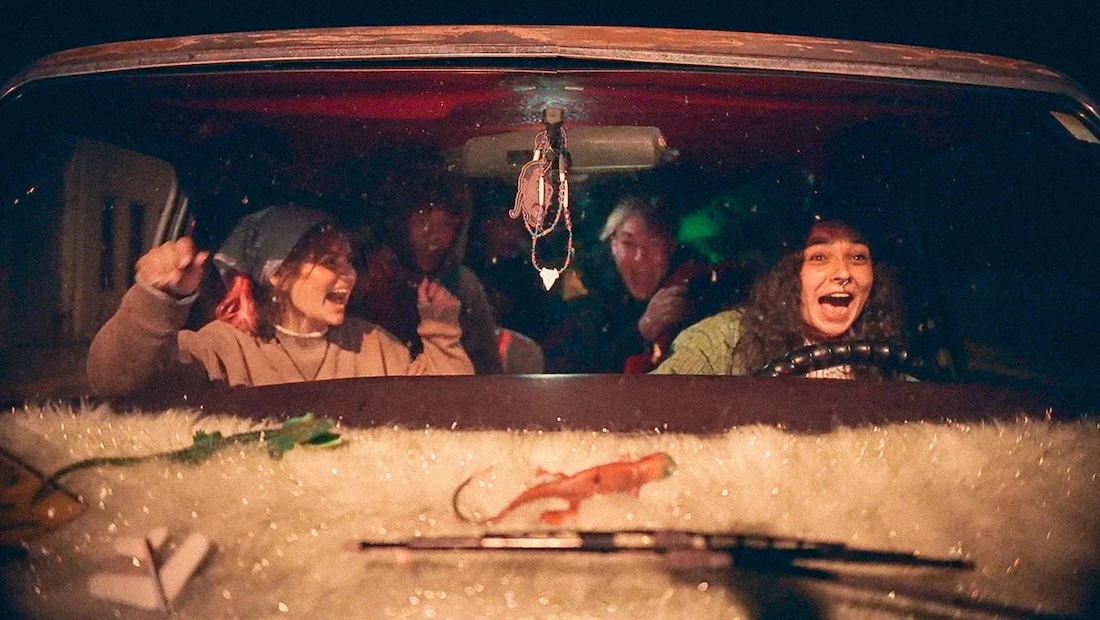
(830, 290)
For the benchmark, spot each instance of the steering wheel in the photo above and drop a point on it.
(885, 356)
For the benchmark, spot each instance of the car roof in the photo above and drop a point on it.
(689, 48)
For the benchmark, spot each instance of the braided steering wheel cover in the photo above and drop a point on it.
(884, 355)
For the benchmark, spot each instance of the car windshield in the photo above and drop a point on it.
(214, 268)
(981, 200)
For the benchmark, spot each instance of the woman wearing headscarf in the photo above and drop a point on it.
(283, 320)
(829, 291)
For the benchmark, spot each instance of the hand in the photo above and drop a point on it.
(434, 300)
(666, 308)
(175, 267)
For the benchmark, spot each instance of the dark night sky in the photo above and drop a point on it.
(1064, 34)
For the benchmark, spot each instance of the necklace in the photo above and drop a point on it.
(291, 332)
(535, 194)
(307, 353)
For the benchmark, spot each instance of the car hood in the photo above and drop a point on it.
(1016, 498)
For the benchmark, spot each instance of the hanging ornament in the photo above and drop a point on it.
(535, 193)
(549, 276)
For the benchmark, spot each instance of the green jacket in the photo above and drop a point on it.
(706, 348)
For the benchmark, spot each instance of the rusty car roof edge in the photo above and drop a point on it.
(731, 50)
(730, 61)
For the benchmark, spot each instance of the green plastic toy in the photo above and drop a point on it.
(302, 430)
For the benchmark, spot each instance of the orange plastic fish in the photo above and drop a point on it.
(619, 477)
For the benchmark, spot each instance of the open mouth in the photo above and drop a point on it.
(339, 297)
(841, 300)
(834, 306)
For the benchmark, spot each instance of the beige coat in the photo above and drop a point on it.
(143, 342)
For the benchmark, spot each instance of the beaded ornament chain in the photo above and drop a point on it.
(535, 196)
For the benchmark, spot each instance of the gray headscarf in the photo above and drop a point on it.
(262, 240)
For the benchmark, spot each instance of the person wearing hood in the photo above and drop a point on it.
(423, 236)
(289, 278)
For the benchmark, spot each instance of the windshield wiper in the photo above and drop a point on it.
(772, 555)
(743, 550)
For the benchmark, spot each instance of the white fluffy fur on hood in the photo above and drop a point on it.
(1020, 499)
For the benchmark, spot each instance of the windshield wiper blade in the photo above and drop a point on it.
(744, 550)
(778, 556)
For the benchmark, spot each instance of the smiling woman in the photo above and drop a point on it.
(836, 280)
(828, 291)
(283, 320)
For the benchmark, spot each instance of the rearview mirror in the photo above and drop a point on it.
(594, 150)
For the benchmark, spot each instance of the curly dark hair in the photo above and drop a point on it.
(773, 317)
